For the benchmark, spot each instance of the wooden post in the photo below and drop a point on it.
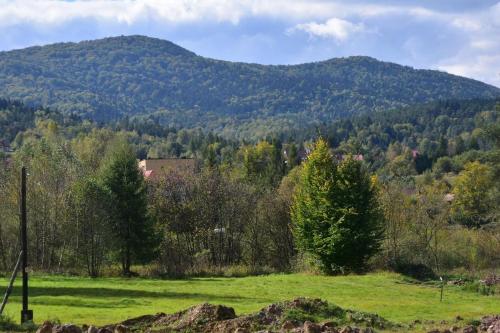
(26, 315)
(11, 283)
(442, 288)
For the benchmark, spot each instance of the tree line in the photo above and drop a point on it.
(268, 206)
(89, 206)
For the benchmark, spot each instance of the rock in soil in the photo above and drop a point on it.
(469, 329)
(66, 328)
(92, 329)
(45, 328)
(310, 327)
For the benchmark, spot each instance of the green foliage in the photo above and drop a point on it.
(8, 325)
(475, 195)
(480, 288)
(132, 226)
(214, 224)
(263, 164)
(387, 140)
(15, 118)
(247, 188)
(93, 211)
(135, 75)
(336, 212)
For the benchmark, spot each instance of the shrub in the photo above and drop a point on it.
(6, 324)
(417, 271)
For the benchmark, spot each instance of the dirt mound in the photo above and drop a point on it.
(301, 315)
(490, 324)
(196, 318)
(298, 315)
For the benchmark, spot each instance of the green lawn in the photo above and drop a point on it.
(108, 300)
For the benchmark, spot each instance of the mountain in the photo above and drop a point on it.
(146, 77)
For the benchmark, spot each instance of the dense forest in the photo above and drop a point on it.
(136, 76)
(425, 176)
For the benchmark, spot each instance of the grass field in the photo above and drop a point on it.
(108, 300)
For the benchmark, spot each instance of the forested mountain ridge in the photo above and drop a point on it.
(135, 76)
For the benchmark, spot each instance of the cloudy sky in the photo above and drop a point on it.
(457, 36)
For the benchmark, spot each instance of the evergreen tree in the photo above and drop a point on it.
(132, 227)
(335, 212)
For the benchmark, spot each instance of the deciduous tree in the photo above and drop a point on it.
(92, 211)
(474, 195)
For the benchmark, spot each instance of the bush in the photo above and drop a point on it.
(417, 271)
(244, 270)
(480, 288)
(473, 249)
(8, 325)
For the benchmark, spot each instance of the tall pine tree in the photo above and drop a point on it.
(132, 227)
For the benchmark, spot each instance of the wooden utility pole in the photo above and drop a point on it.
(26, 315)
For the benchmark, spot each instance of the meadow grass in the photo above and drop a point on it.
(107, 300)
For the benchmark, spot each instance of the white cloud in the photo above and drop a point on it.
(484, 67)
(333, 28)
(480, 57)
(484, 44)
(178, 11)
(466, 24)
(126, 11)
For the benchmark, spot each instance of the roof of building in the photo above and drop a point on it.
(155, 167)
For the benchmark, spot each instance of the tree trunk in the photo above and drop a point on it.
(126, 260)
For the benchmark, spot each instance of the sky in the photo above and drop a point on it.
(457, 36)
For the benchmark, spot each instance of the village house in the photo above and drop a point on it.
(153, 168)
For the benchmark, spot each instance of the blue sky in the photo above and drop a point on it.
(458, 36)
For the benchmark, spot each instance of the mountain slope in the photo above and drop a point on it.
(108, 78)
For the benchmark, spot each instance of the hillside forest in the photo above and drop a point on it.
(417, 186)
(136, 76)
